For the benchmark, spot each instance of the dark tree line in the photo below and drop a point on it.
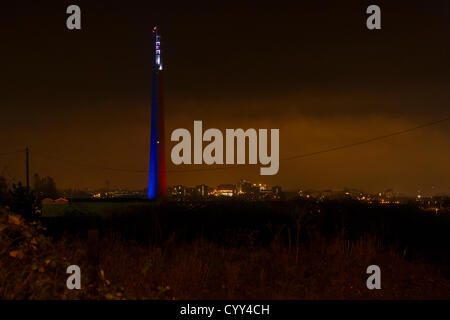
(26, 201)
(44, 187)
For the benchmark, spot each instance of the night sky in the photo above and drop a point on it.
(314, 71)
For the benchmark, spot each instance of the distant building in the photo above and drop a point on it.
(227, 190)
(265, 192)
(310, 194)
(176, 191)
(245, 187)
(189, 192)
(389, 194)
(202, 190)
(48, 201)
(276, 190)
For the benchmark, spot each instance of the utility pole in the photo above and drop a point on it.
(27, 168)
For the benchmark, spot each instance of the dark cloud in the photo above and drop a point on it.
(313, 70)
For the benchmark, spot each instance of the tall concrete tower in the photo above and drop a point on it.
(157, 168)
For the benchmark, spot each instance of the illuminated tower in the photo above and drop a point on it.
(157, 168)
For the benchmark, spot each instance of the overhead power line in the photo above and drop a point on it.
(305, 155)
(345, 146)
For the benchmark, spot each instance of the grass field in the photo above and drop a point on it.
(226, 250)
(100, 208)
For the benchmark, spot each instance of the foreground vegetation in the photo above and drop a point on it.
(33, 266)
